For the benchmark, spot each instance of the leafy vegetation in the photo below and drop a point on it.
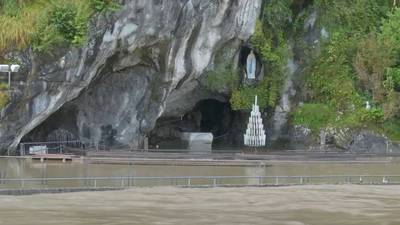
(243, 97)
(17, 23)
(314, 116)
(45, 24)
(328, 80)
(359, 62)
(104, 6)
(269, 41)
(391, 128)
(222, 77)
(4, 98)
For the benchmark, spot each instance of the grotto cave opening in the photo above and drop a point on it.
(61, 126)
(208, 115)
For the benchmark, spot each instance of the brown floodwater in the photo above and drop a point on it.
(25, 168)
(323, 204)
(296, 205)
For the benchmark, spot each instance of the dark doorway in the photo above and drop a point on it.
(215, 116)
(59, 127)
(208, 115)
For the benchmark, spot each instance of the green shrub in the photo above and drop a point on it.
(377, 64)
(373, 115)
(314, 116)
(64, 23)
(43, 24)
(330, 79)
(353, 17)
(392, 105)
(243, 97)
(277, 15)
(372, 58)
(391, 27)
(62, 18)
(222, 77)
(84, 13)
(4, 98)
(391, 128)
(262, 43)
(272, 48)
(105, 5)
(392, 79)
(46, 38)
(11, 7)
(16, 28)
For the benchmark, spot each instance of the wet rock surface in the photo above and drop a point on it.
(121, 80)
(343, 140)
(370, 142)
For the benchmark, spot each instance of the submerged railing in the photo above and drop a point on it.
(193, 181)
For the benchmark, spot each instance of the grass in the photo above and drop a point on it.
(4, 98)
(314, 116)
(17, 29)
(392, 129)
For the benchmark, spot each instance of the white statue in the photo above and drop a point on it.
(251, 66)
(367, 105)
(255, 133)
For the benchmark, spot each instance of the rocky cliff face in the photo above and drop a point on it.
(134, 63)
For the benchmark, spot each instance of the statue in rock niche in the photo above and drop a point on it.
(251, 66)
(367, 105)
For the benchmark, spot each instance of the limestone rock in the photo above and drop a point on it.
(342, 138)
(360, 141)
(370, 142)
(120, 82)
(301, 138)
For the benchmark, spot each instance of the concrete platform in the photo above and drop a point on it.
(199, 142)
(60, 157)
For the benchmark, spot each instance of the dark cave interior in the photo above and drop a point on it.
(208, 115)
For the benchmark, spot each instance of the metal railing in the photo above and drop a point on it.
(56, 147)
(193, 181)
(59, 146)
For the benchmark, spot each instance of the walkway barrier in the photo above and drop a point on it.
(194, 181)
(26, 148)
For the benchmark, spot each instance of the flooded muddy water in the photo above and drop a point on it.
(25, 168)
(298, 205)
